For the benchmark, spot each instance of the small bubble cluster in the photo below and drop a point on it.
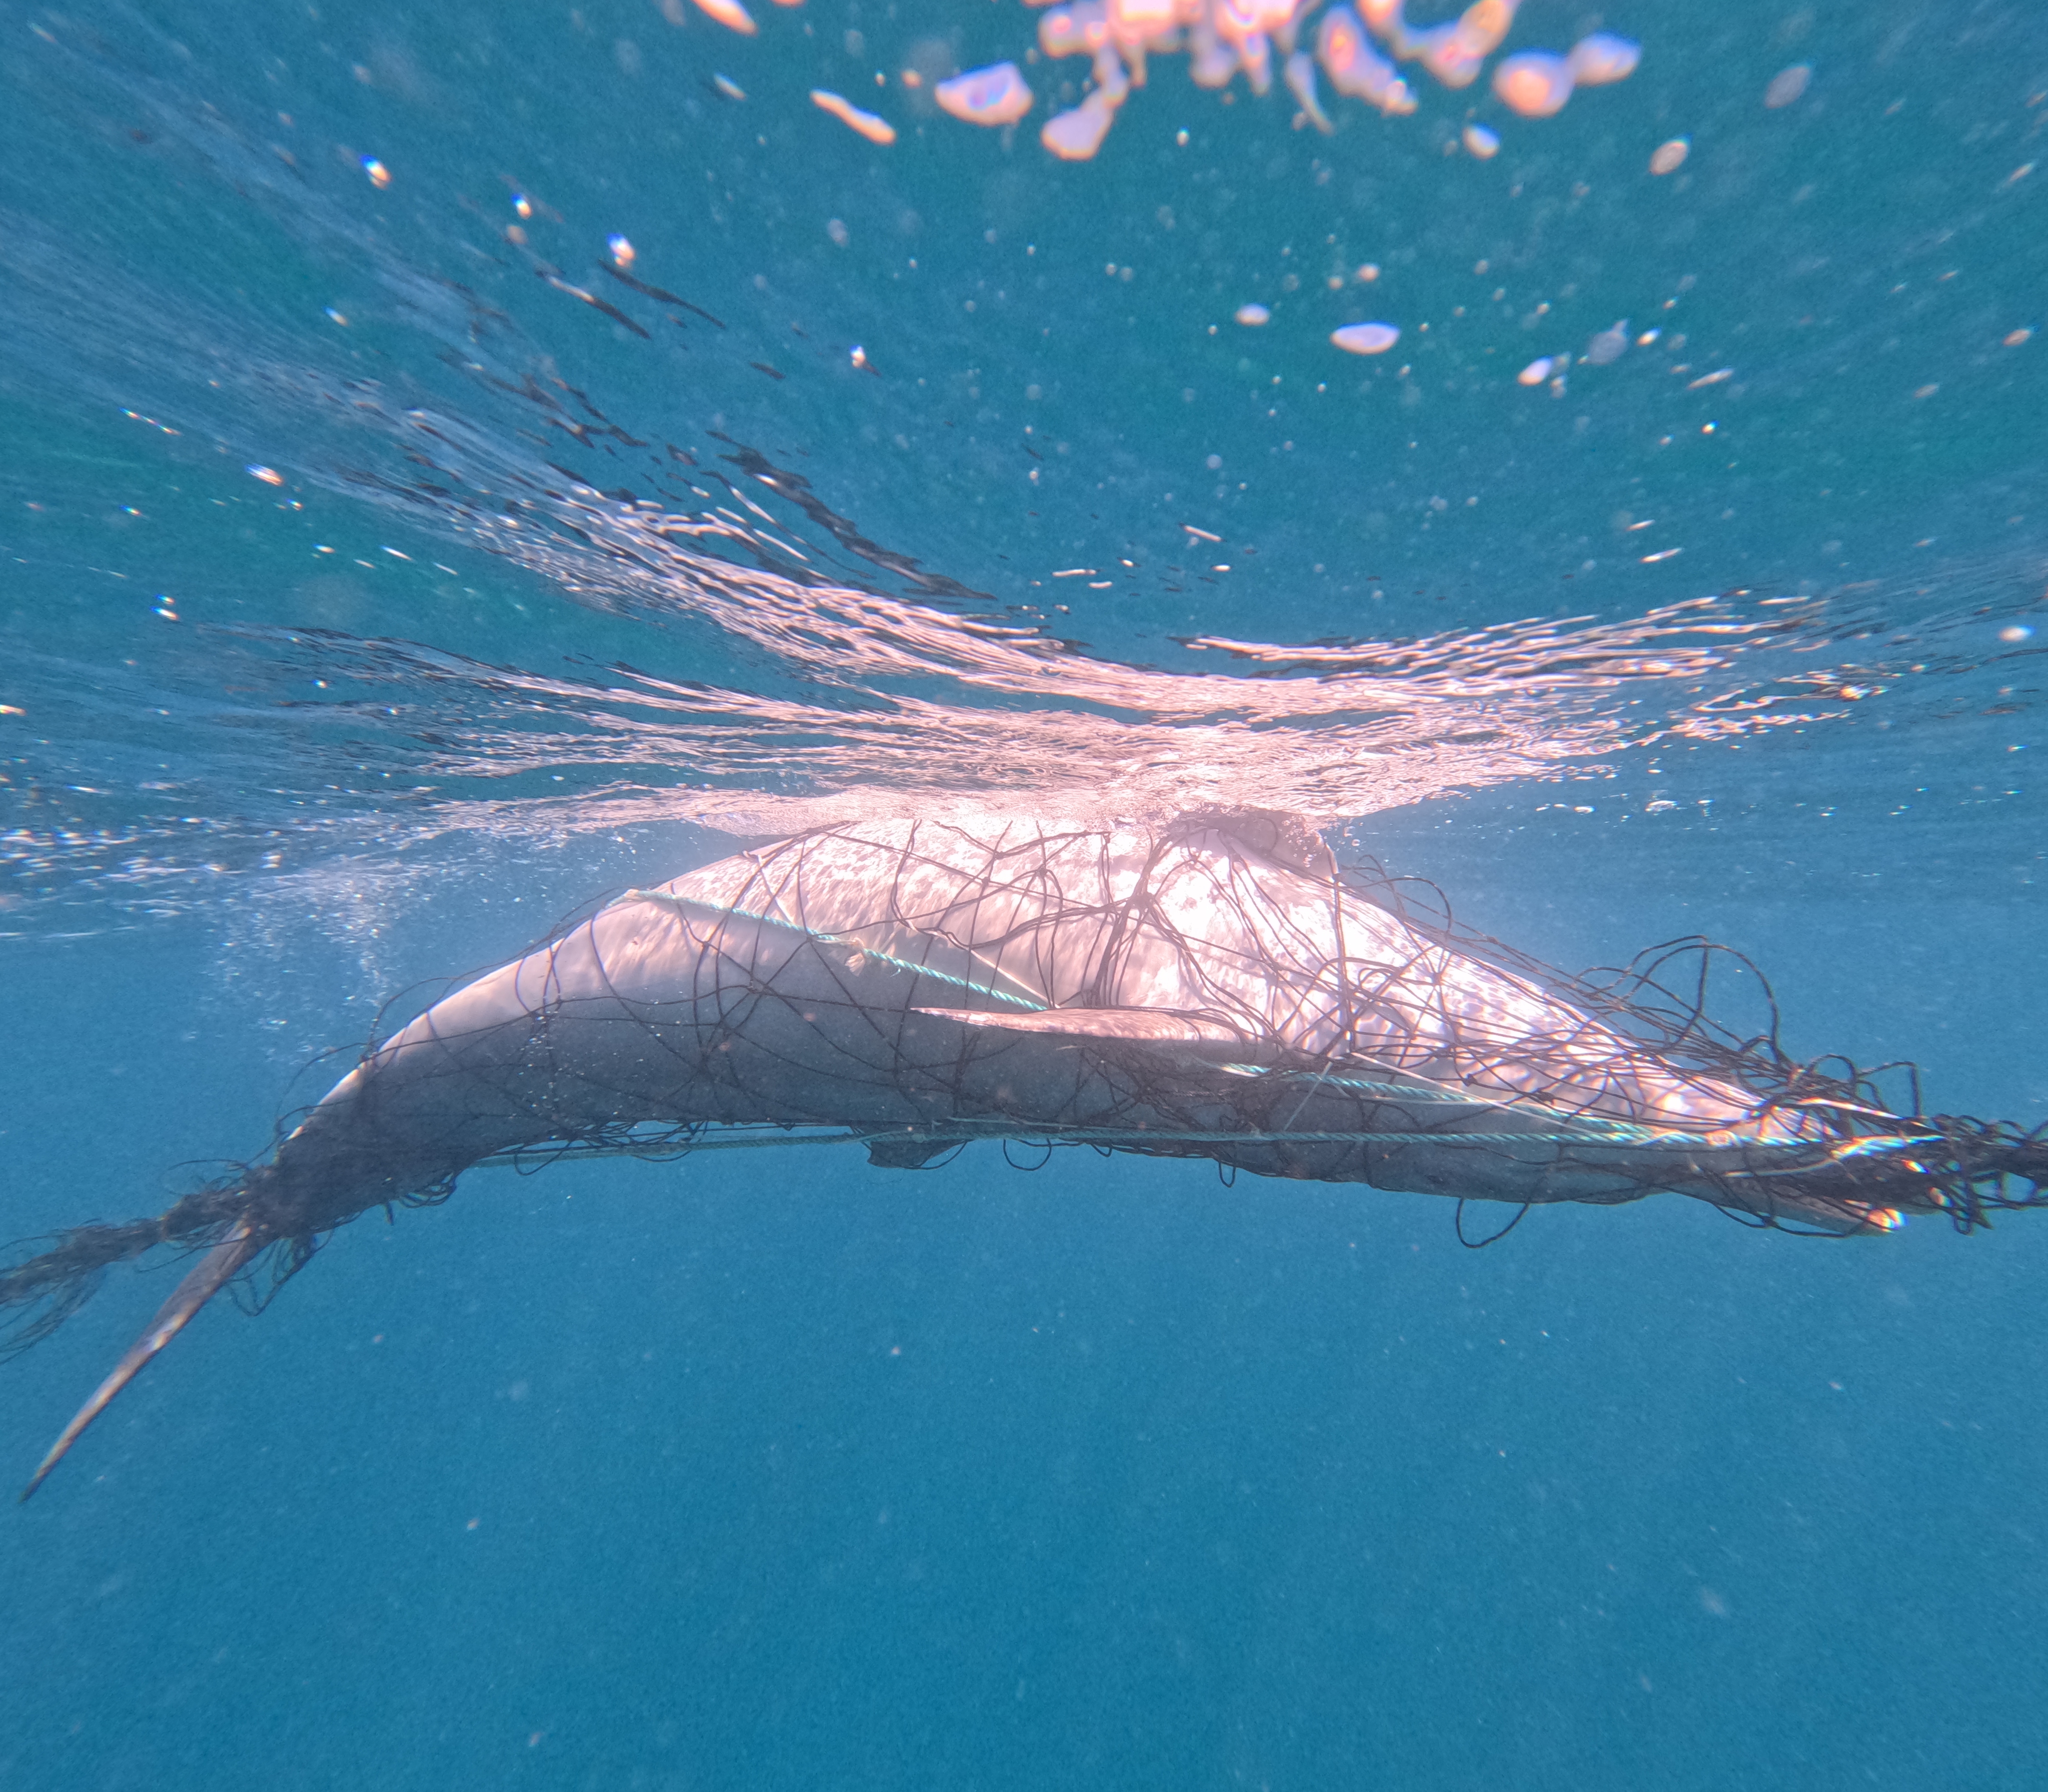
(1357, 49)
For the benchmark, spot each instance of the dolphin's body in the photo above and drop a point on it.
(907, 976)
(1216, 990)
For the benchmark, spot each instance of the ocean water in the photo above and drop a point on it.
(462, 461)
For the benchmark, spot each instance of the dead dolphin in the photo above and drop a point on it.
(1217, 988)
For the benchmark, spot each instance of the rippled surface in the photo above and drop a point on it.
(599, 559)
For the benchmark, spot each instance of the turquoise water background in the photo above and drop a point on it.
(774, 1469)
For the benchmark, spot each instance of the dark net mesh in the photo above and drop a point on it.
(1216, 989)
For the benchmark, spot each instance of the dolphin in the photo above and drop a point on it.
(1216, 988)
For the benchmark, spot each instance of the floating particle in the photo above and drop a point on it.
(1210, 61)
(1536, 372)
(1486, 23)
(1647, 338)
(1713, 378)
(1786, 85)
(1667, 157)
(1256, 54)
(1455, 52)
(269, 475)
(1356, 68)
(2014, 338)
(1609, 345)
(859, 357)
(1481, 142)
(1663, 553)
(1368, 272)
(522, 205)
(997, 95)
(337, 316)
(2016, 632)
(874, 130)
(1073, 30)
(1300, 75)
(1244, 19)
(1112, 83)
(379, 175)
(1438, 49)
(1076, 135)
(1602, 58)
(1365, 338)
(1927, 391)
(1251, 315)
(622, 251)
(1534, 83)
(1134, 19)
(726, 85)
(729, 14)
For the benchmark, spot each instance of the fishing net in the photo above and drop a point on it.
(1218, 988)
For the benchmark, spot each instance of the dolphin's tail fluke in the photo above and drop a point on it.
(212, 1274)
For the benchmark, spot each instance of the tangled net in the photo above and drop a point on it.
(1222, 990)
(1217, 989)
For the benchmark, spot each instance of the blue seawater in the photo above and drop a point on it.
(382, 576)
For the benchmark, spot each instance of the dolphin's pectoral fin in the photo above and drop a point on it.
(208, 1277)
(1152, 1025)
(907, 1154)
